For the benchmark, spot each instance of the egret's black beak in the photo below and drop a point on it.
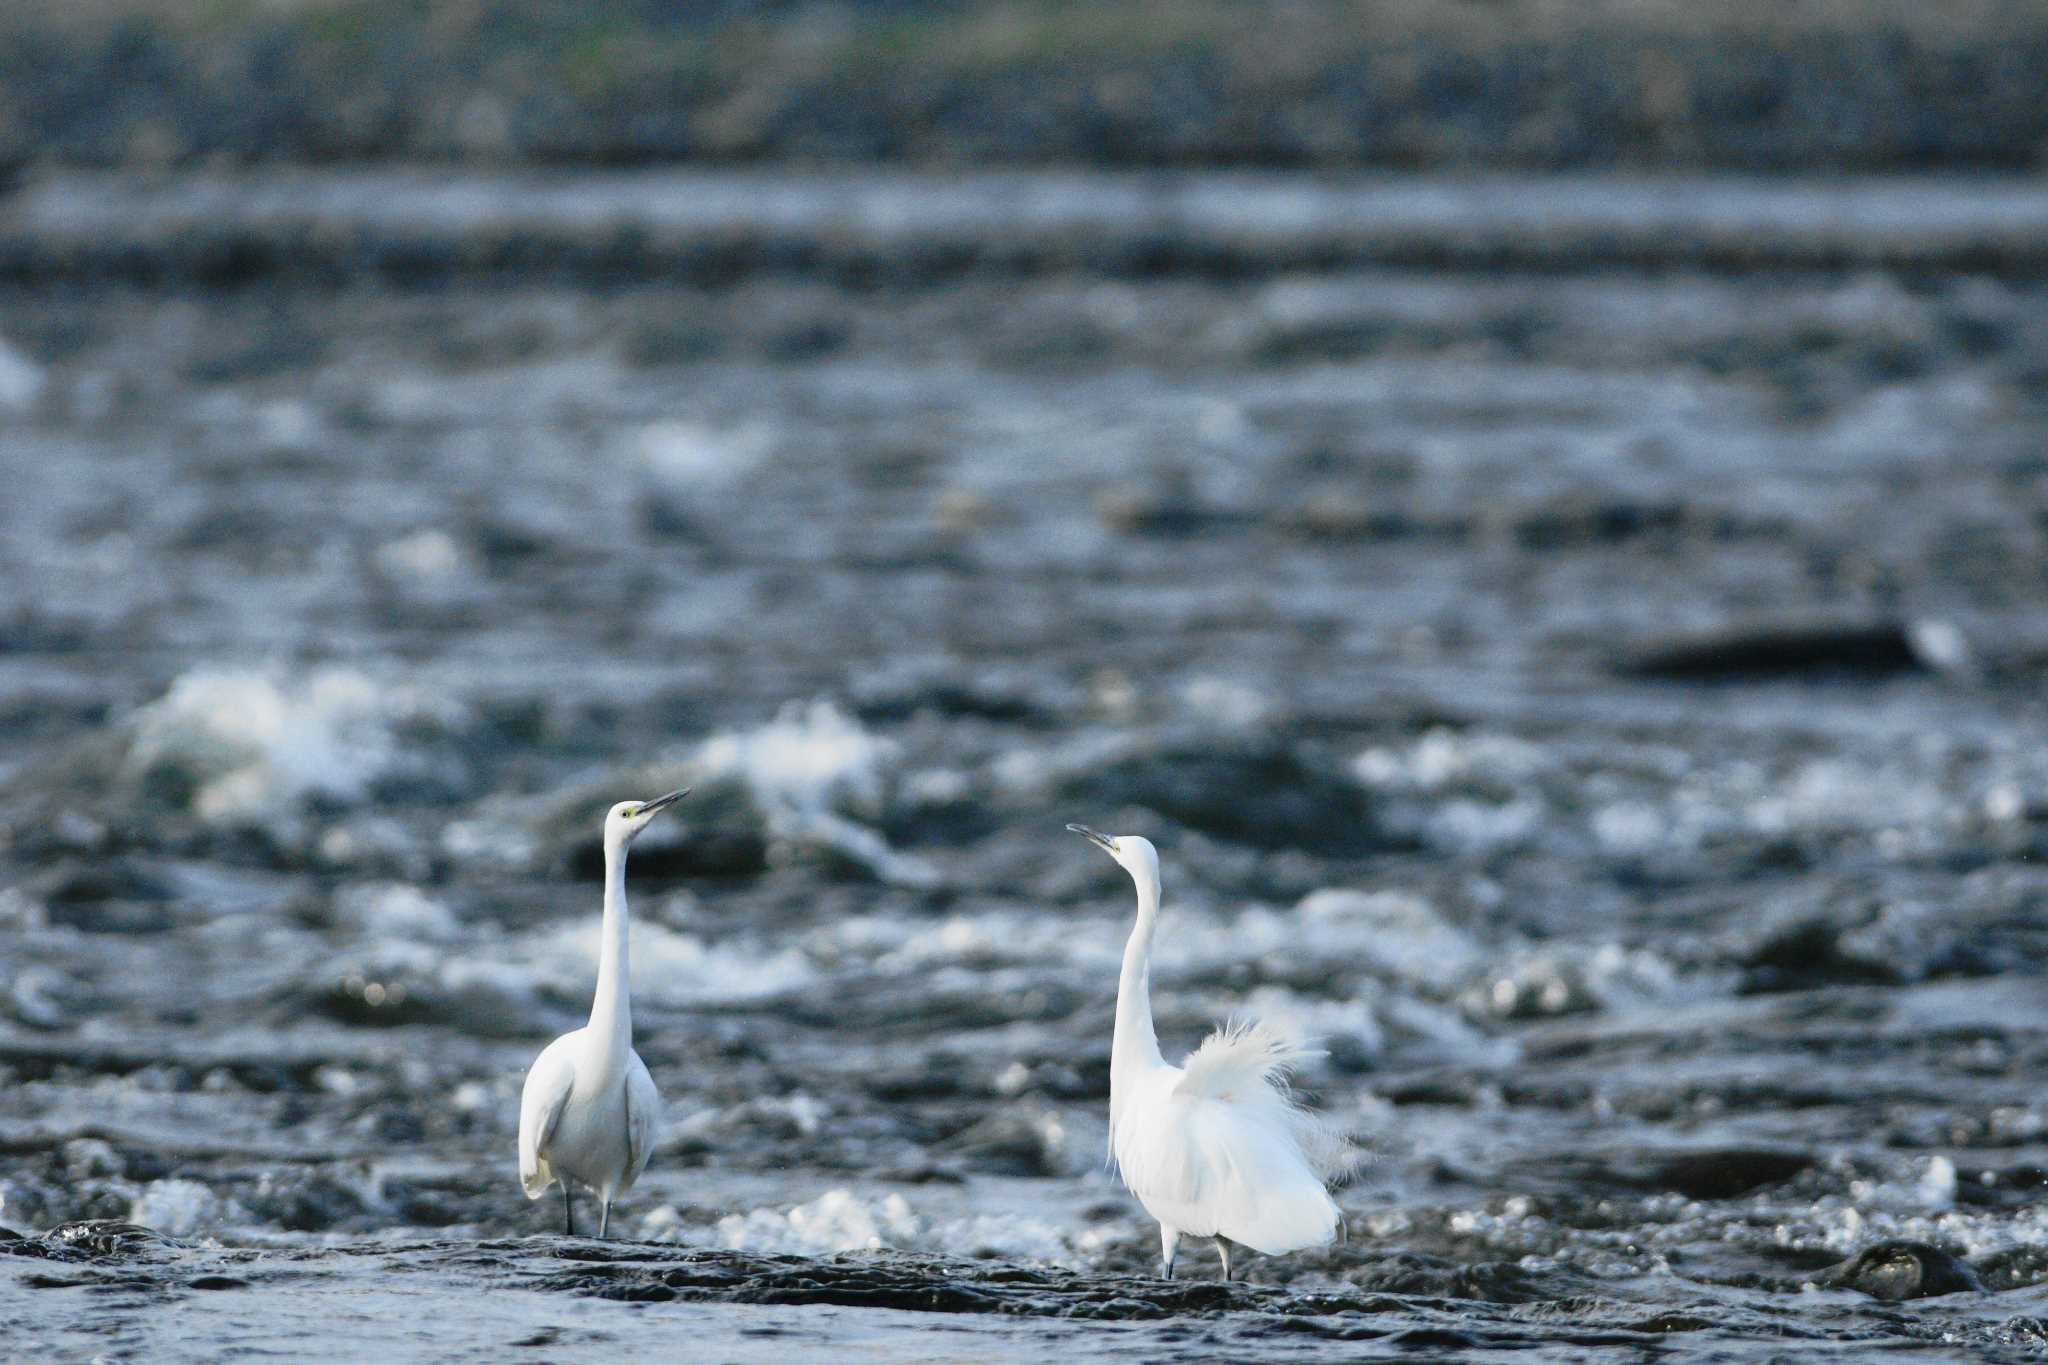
(664, 802)
(1102, 841)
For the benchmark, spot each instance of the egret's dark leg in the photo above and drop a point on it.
(1169, 1247)
(568, 1211)
(1223, 1247)
(604, 1219)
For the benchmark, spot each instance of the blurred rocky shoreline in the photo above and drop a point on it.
(1525, 84)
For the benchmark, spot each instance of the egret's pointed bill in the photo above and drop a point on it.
(663, 802)
(1103, 840)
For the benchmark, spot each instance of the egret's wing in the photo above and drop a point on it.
(643, 1118)
(1256, 1184)
(541, 1103)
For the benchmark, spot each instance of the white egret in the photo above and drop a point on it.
(589, 1110)
(1218, 1147)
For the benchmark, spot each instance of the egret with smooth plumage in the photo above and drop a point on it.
(1217, 1147)
(589, 1112)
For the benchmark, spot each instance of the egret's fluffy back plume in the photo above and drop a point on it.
(1250, 1062)
(1240, 1060)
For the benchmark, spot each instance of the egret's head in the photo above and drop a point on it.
(1133, 851)
(628, 818)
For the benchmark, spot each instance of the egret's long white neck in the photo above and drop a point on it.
(1135, 1047)
(611, 1012)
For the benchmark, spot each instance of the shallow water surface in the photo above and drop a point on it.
(1602, 705)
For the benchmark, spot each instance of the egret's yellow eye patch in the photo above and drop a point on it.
(630, 811)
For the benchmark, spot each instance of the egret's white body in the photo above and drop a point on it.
(1218, 1147)
(589, 1111)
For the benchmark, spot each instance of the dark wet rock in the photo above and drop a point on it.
(1415, 1273)
(1168, 510)
(372, 997)
(1260, 791)
(1708, 1173)
(1343, 514)
(1895, 1271)
(1729, 1172)
(1675, 1322)
(926, 1284)
(303, 1201)
(428, 1208)
(113, 917)
(1012, 1142)
(2013, 1268)
(119, 879)
(1434, 1339)
(899, 693)
(216, 1283)
(1808, 648)
(806, 339)
(95, 1239)
(1580, 519)
(716, 831)
(671, 516)
(670, 341)
(937, 1078)
(30, 631)
(1850, 936)
(376, 1000)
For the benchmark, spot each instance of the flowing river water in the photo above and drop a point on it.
(1578, 646)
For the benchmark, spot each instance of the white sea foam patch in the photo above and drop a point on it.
(838, 1220)
(382, 911)
(669, 968)
(1917, 1201)
(808, 770)
(21, 379)
(811, 757)
(985, 938)
(251, 743)
(1226, 701)
(1399, 931)
(426, 555)
(845, 1220)
(176, 1208)
(1394, 933)
(1374, 1019)
(1445, 758)
(699, 453)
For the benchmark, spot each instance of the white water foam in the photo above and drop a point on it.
(810, 758)
(176, 1208)
(809, 770)
(843, 1220)
(255, 745)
